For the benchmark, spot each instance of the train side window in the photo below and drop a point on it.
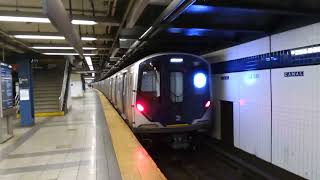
(176, 86)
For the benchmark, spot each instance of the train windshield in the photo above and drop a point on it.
(150, 81)
(176, 87)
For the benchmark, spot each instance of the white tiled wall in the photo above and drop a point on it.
(253, 48)
(295, 129)
(251, 110)
(255, 113)
(305, 36)
(296, 122)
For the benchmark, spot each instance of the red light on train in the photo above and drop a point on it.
(208, 103)
(140, 107)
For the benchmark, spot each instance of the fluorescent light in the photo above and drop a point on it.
(176, 60)
(61, 54)
(67, 54)
(50, 37)
(89, 48)
(89, 78)
(91, 68)
(42, 20)
(88, 38)
(39, 37)
(24, 19)
(50, 47)
(93, 74)
(61, 47)
(88, 60)
(84, 22)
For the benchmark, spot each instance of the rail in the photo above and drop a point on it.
(64, 85)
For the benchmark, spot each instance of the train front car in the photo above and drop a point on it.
(173, 94)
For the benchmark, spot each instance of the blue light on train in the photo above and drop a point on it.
(195, 32)
(199, 9)
(175, 30)
(199, 80)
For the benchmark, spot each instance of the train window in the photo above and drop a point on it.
(176, 86)
(150, 82)
(150, 79)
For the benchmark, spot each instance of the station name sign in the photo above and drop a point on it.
(294, 74)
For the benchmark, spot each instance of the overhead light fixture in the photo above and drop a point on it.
(83, 22)
(67, 54)
(22, 36)
(89, 78)
(91, 68)
(39, 37)
(24, 19)
(50, 47)
(89, 48)
(42, 20)
(61, 54)
(88, 38)
(93, 74)
(61, 47)
(88, 60)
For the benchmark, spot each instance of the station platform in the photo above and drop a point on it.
(90, 142)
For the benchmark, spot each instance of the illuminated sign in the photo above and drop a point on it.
(304, 51)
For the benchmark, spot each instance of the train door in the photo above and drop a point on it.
(227, 122)
(116, 91)
(120, 93)
(111, 89)
(130, 107)
(124, 94)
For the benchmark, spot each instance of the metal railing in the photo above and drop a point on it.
(64, 85)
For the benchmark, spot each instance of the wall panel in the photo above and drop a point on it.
(296, 134)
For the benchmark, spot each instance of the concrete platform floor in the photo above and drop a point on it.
(72, 147)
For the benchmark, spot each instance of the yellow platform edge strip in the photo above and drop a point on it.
(134, 161)
(46, 114)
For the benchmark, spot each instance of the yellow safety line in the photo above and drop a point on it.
(46, 114)
(134, 162)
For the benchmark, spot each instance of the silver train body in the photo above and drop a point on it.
(162, 93)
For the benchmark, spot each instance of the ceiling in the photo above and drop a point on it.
(128, 30)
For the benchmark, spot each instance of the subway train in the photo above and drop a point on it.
(162, 93)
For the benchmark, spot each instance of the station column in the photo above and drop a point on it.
(26, 91)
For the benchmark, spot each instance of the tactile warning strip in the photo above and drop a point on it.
(134, 162)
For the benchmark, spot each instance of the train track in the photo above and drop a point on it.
(205, 162)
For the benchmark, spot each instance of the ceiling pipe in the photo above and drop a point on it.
(58, 16)
(173, 10)
(13, 40)
(124, 18)
(11, 48)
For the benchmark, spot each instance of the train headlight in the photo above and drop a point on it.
(199, 80)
